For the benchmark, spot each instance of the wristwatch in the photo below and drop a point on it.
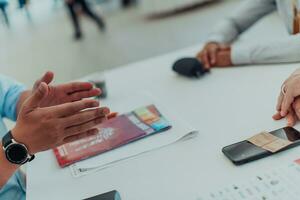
(15, 152)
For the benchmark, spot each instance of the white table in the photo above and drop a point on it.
(226, 106)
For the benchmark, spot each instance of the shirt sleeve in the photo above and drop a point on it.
(280, 51)
(14, 188)
(242, 18)
(10, 91)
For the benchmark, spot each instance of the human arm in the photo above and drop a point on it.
(41, 129)
(283, 50)
(7, 169)
(243, 17)
(231, 27)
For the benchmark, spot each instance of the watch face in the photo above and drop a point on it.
(16, 153)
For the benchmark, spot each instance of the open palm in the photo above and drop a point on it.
(64, 93)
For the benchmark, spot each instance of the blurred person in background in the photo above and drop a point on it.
(73, 6)
(23, 3)
(127, 3)
(3, 6)
(220, 52)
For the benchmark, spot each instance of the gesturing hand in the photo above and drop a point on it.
(44, 128)
(64, 93)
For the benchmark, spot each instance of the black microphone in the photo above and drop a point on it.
(190, 67)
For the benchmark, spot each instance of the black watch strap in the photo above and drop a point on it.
(7, 139)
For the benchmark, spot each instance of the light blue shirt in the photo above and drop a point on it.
(10, 91)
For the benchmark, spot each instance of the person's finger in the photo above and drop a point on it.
(205, 60)
(279, 101)
(47, 78)
(85, 116)
(291, 120)
(288, 99)
(295, 117)
(79, 136)
(76, 87)
(296, 108)
(277, 116)
(84, 94)
(67, 109)
(35, 99)
(199, 54)
(112, 115)
(212, 55)
(84, 127)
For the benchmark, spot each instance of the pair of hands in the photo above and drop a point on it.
(215, 55)
(288, 104)
(53, 115)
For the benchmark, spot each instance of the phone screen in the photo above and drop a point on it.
(112, 195)
(287, 133)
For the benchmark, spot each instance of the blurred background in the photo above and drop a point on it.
(38, 35)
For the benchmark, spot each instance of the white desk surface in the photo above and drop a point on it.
(226, 106)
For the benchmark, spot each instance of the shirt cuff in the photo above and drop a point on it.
(14, 97)
(240, 55)
(215, 38)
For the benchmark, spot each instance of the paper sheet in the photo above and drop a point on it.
(180, 131)
(281, 183)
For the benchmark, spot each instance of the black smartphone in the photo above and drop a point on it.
(244, 152)
(112, 195)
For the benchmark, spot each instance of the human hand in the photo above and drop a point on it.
(289, 91)
(291, 117)
(224, 58)
(293, 113)
(209, 55)
(65, 93)
(41, 129)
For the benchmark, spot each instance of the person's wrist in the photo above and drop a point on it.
(19, 137)
(3, 160)
(212, 43)
(229, 57)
